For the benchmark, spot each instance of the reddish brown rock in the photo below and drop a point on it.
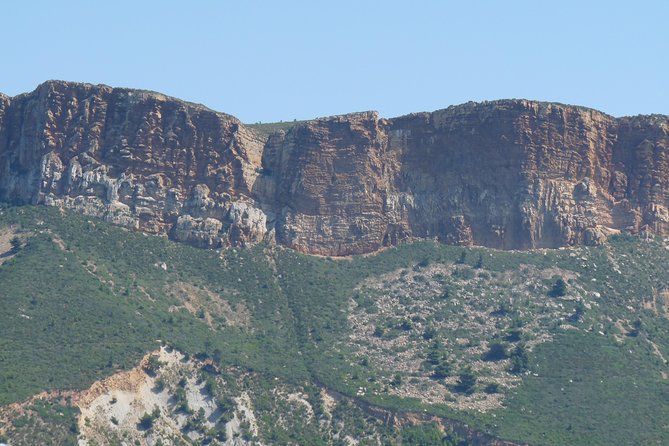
(510, 174)
(503, 174)
(136, 158)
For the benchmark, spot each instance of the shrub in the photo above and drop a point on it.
(491, 388)
(502, 310)
(146, 422)
(514, 335)
(441, 371)
(446, 293)
(466, 381)
(16, 244)
(636, 328)
(434, 356)
(153, 364)
(559, 288)
(429, 333)
(396, 381)
(496, 352)
(406, 325)
(519, 360)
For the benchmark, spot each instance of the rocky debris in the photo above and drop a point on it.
(510, 174)
(213, 308)
(464, 310)
(115, 407)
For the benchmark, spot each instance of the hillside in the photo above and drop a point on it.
(423, 343)
(508, 174)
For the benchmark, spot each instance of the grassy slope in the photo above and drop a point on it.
(82, 327)
(64, 327)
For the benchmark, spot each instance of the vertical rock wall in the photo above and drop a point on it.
(510, 174)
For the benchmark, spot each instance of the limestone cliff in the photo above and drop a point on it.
(510, 174)
(135, 158)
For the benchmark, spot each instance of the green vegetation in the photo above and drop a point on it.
(16, 244)
(466, 381)
(559, 288)
(266, 129)
(571, 341)
(429, 435)
(147, 420)
(44, 421)
(496, 352)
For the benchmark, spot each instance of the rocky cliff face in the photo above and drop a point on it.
(135, 158)
(506, 174)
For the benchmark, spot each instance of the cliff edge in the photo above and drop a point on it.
(509, 174)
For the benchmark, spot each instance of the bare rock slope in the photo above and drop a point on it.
(511, 174)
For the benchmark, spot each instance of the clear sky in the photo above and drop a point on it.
(283, 60)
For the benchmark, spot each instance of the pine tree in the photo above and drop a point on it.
(466, 381)
(559, 288)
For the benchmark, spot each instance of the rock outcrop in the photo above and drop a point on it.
(511, 174)
(135, 158)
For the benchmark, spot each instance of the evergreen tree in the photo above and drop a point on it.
(16, 244)
(466, 381)
(519, 360)
(479, 262)
(441, 371)
(559, 288)
(496, 352)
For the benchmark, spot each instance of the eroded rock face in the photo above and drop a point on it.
(504, 174)
(134, 158)
(510, 174)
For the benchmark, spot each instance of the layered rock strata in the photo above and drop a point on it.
(511, 174)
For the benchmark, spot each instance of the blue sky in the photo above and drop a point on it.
(270, 61)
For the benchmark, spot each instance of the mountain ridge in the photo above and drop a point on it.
(508, 174)
(481, 102)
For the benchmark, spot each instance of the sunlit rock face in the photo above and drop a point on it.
(503, 174)
(510, 174)
(135, 158)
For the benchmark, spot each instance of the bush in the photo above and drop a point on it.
(463, 257)
(519, 360)
(502, 310)
(152, 366)
(466, 381)
(434, 356)
(146, 422)
(514, 335)
(397, 380)
(559, 288)
(406, 325)
(491, 388)
(496, 352)
(429, 333)
(16, 244)
(446, 293)
(636, 328)
(441, 371)
(423, 434)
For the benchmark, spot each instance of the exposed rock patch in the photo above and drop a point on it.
(211, 307)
